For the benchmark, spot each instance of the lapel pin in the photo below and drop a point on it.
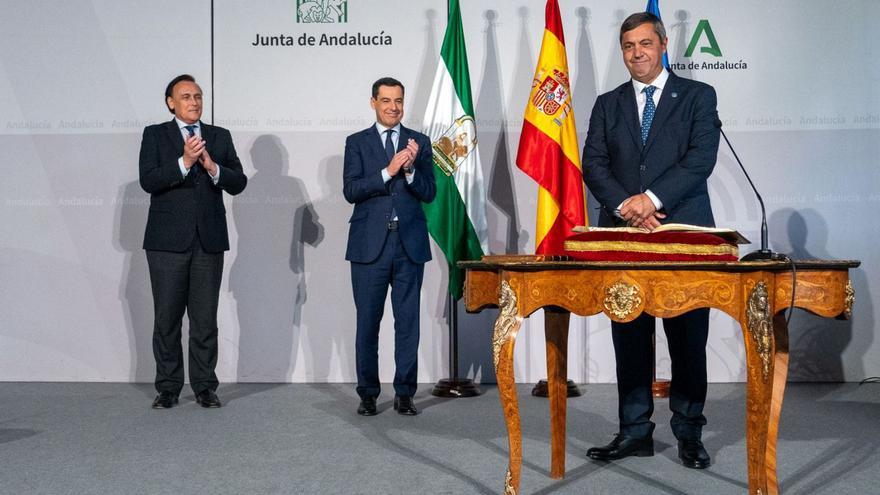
(674, 95)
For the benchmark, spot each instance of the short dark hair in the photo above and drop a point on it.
(640, 18)
(170, 88)
(386, 81)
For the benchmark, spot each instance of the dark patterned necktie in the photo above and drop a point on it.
(389, 152)
(191, 131)
(648, 113)
(389, 144)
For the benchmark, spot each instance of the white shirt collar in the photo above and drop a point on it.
(658, 82)
(181, 124)
(381, 128)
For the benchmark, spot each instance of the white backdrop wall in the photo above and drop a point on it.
(80, 79)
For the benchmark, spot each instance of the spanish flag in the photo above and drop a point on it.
(548, 147)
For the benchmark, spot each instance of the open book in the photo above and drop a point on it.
(727, 234)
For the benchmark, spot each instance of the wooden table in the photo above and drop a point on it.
(754, 293)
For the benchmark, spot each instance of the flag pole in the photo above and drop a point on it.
(454, 386)
(549, 152)
(455, 220)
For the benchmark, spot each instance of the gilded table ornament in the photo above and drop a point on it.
(621, 299)
(508, 484)
(849, 300)
(760, 325)
(505, 322)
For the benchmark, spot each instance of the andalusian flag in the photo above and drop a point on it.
(548, 147)
(457, 216)
(653, 7)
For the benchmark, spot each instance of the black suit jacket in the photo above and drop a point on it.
(373, 198)
(675, 161)
(178, 205)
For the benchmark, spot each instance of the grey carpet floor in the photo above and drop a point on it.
(83, 438)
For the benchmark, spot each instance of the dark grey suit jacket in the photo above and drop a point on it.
(674, 163)
(179, 206)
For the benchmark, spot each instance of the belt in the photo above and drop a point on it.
(393, 225)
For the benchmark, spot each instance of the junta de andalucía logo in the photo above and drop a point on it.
(322, 11)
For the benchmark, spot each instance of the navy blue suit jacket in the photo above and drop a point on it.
(373, 198)
(179, 206)
(675, 161)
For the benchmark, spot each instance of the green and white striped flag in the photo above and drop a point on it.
(457, 216)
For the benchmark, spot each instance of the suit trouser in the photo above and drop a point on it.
(370, 283)
(185, 282)
(633, 350)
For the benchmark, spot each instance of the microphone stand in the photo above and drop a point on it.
(764, 253)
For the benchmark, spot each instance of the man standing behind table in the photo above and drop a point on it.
(186, 165)
(387, 175)
(651, 146)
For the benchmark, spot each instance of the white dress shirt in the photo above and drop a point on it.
(395, 138)
(641, 100)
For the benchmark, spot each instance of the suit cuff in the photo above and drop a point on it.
(183, 170)
(215, 178)
(410, 177)
(654, 199)
(385, 175)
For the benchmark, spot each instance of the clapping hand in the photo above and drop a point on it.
(192, 150)
(403, 159)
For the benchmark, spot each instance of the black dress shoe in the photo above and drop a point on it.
(367, 407)
(693, 454)
(165, 400)
(207, 398)
(622, 447)
(403, 404)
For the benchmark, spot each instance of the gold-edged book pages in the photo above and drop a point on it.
(729, 235)
(524, 258)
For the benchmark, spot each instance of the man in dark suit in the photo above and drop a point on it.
(388, 174)
(186, 165)
(651, 146)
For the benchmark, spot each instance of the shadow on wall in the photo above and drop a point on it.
(616, 72)
(586, 93)
(416, 104)
(475, 330)
(274, 219)
(503, 219)
(817, 344)
(678, 33)
(134, 289)
(329, 324)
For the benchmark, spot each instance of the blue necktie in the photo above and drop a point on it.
(648, 113)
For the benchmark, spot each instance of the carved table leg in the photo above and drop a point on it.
(765, 386)
(780, 375)
(503, 339)
(556, 337)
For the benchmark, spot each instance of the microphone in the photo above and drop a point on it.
(764, 253)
